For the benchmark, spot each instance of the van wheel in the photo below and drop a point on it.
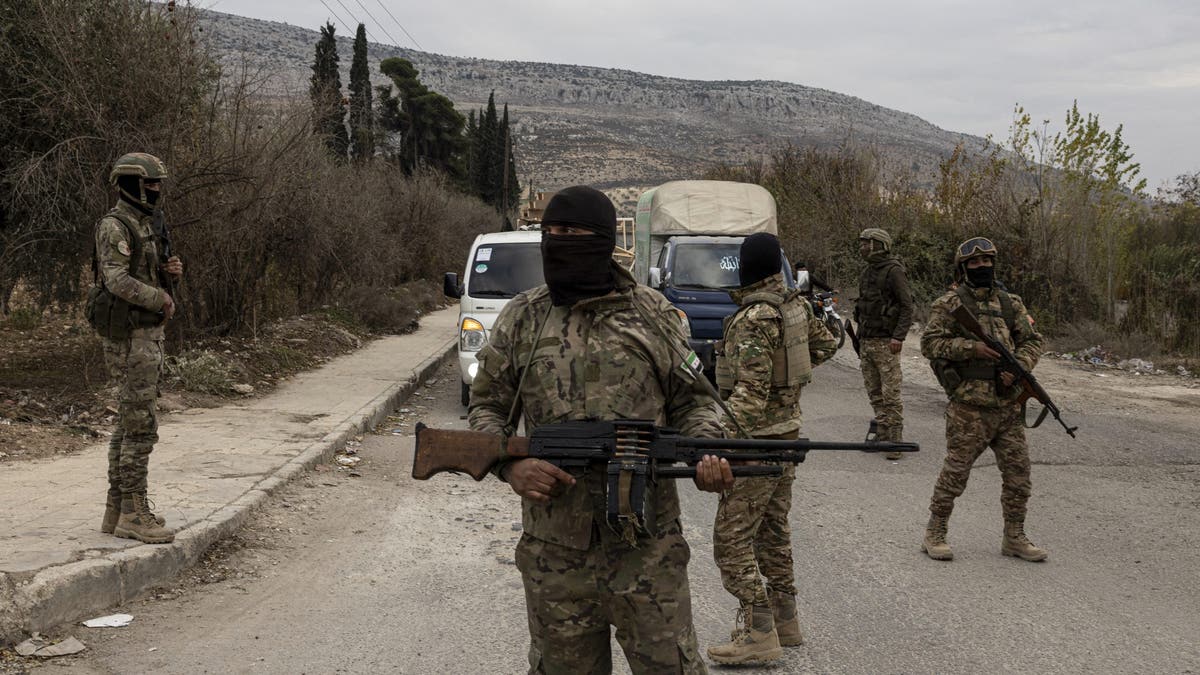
(466, 394)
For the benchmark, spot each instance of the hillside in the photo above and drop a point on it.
(614, 128)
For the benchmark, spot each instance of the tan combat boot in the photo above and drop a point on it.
(787, 623)
(935, 545)
(1017, 545)
(754, 639)
(137, 521)
(893, 434)
(112, 513)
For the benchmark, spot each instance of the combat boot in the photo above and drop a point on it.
(787, 623)
(894, 435)
(1017, 545)
(112, 513)
(137, 521)
(935, 545)
(872, 432)
(754, 639)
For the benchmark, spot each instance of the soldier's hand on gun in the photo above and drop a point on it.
(537, 479)
(982, 351)
(895, 346)
(1007, 378)
(713, 474)
(173, 266)
(168, 308)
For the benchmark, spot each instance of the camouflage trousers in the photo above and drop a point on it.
(881, 375)
(572, 597)
(752, 539)
(134, 365)
(969, 431)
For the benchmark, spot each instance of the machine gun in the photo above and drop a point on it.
(632, 452)
(1030, 387)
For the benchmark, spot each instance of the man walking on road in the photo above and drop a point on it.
(128, 306)
(770, 347)
(983, 410)
(884, 313)
(592, 344)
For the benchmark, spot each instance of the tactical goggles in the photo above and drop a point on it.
(976, 246)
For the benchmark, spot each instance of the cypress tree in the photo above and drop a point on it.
(362, 133)
(510, 190)
(325, 88)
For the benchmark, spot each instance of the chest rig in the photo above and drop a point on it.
(790, 363)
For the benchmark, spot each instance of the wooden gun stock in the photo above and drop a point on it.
(471, 452)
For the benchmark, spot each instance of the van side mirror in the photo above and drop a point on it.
(655, 277)
(450, 285)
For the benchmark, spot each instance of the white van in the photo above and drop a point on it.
(500, 265)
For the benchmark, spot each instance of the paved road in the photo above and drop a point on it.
(385, 574)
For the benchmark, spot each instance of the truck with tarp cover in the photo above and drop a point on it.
(688, 236)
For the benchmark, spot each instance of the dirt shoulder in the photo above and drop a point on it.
(54, 398)
(1099, 388)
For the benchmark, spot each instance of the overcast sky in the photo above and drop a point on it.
(959, 65)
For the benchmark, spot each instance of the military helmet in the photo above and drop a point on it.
(973, 247)
(879, 235)
(138, 164)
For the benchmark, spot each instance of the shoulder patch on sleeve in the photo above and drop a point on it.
(123, 247)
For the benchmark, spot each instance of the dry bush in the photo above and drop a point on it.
(267, 222)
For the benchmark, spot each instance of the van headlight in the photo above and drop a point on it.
(471, 338)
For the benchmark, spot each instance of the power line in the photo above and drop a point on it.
(410, 37)
(369, 15)
(339, 19)
(343, 6)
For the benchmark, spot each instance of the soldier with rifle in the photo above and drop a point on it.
(128, 306)
(981, 345)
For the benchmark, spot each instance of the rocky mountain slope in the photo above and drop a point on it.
(614, 128)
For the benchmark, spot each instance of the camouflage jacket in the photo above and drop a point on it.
(751, 339)
(113, 251)
(945, 338)
(598, 359)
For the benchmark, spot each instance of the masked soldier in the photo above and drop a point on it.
(770, 347)
(884, 313)
(128, 306)
(983, 411)
(593, 345)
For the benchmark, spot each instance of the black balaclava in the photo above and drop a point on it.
(577, 267)
(760, 258)
(980, 277)
(131, 187)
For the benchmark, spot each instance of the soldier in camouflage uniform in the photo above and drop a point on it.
(129, 306)
(770, 347)
(884, 312)
(983, 411)
(592, 344)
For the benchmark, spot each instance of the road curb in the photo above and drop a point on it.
(79, 590)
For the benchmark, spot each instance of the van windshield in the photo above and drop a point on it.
(706, 265)
(503, 270)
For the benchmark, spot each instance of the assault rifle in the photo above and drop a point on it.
(159, 224)
(1030, 387)
(632, 452)
(854, 342)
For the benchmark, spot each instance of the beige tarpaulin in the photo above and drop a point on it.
(699, 207)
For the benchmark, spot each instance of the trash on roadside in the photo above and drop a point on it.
(110, 621)
(41, 647)
(348, 460)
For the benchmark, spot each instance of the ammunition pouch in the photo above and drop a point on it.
(946, 374)
(115, 318)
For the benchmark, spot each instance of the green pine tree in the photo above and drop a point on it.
(325, 88)
(362, 132)
(429, 131)
(510, 186)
